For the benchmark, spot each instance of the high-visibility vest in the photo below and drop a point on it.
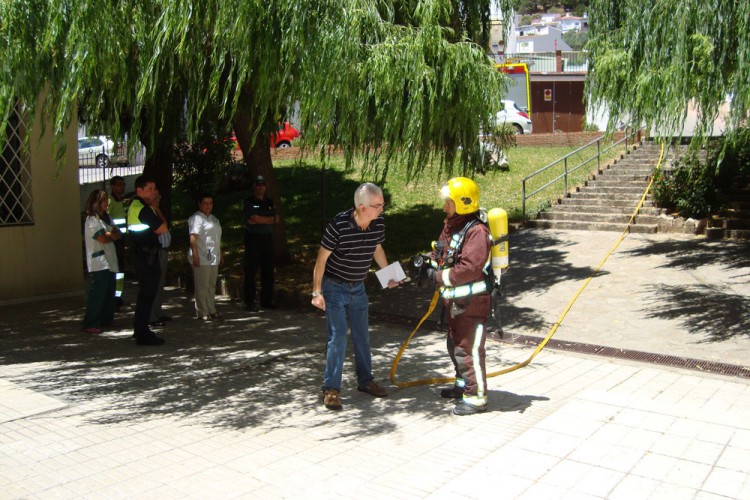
(134, 222)
(139, 234)
(117, 212)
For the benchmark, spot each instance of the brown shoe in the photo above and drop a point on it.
(332, 400)
(374, 389)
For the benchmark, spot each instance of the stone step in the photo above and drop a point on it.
(599, 217)
(635, 162)
(612, 189)
(608, 209)
(601, 195)
(732, 234)
(590, 226)
(625, 187)
(601, 202)
(635, 172)
(621, 178)
(738, 234)
(733, 213)
(630, 165)
(584, 216)
(737, 224)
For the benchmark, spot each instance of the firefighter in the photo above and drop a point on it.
(462, 271)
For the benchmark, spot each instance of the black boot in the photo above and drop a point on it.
(454, 392)
(148, 338)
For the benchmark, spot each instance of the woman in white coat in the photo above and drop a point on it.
(101, 260)
(206, 256)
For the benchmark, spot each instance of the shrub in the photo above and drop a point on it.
(199, 166)
(689, 189)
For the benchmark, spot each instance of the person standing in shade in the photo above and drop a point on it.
(157, 318)
(260, 217)
(145, 224)
(350, 242)
(206, 256)
(101, 260)
(118, 214)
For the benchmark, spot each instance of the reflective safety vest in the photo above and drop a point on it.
(117, 213)
(474, 288)
(134, 223)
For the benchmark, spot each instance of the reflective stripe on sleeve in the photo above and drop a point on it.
(464, 290)
(446, 275)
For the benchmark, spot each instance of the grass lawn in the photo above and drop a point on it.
(311, 196)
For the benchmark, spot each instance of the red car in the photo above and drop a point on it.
(282, 139)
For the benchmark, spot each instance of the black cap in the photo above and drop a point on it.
(260, 180)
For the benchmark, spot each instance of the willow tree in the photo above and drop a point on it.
(401, 80)
(651, 59)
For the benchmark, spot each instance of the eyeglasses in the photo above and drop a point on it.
(379, 206)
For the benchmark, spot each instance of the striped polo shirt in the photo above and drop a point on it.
(352, 247)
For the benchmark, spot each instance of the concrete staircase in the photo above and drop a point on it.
(733, 221)
(608, 199)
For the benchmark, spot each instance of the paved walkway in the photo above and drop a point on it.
(231, 409)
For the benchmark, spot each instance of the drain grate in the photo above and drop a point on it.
(597, 350)
(644, 357)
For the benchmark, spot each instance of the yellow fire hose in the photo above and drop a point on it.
(436, 295)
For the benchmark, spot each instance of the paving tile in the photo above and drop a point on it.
(724, 482)
(566, 474)
(734, 459)
(673, 492)
(634, 486)
(654, 466)
(688, 474)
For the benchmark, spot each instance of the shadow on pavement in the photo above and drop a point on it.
(694, 253)
(706, 310)
(715, 311)
(246, 371)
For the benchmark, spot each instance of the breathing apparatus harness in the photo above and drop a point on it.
(489, 284)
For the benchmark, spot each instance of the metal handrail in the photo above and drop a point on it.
(567, 171)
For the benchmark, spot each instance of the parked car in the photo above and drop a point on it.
(514, 116)
(98, 151)
(282, 139)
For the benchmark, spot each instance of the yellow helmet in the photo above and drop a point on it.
(464, 193)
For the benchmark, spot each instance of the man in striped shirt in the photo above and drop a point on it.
(350, 243)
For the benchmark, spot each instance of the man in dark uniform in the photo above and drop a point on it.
(260, 216)
(145, 224)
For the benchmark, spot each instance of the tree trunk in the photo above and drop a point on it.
(158, 167)
(258, 160)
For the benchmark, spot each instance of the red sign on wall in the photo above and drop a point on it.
(547, 94)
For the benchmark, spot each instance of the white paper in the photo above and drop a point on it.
(393, 271)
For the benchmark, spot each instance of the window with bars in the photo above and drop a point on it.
(15, 175)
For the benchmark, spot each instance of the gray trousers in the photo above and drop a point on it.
(205, 289)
